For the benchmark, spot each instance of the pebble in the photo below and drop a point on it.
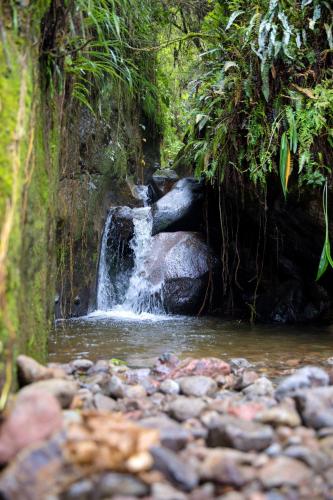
(309, 376)
(169, 386)
(261, 387)
(184, 408)
(114, 483)
(197, 386)
(104, 403)
(63, 390)
(240, 434)
(178, 472)
(284, 471)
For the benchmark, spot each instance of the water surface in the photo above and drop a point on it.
(139, 339)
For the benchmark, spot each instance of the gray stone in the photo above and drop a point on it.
(314, 458)
(116, 387)
(63, 390)
(238, 363)
(180, 208)
(279, 415)
(114, 483)
(184, 408)
(309, 376)
(225, 466)
(284, 471)
(81, 490)
(172, 435)
(240, 434)
(197, 386)
(261, 387)
(82, 365)
(180, 263)
(104, 403)
(178, 472)
(164, 491)
(134, 391)
(169, 386)
(316, 406)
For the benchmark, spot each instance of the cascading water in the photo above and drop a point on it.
(120, 290)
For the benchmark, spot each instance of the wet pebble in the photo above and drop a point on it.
(197, 386)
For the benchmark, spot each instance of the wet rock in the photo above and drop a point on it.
(172, 435)
(240, 434)
(179, 264)
(284, 471)
(82, 365)
(280, 415)
(197, 386)
(63, 390)
(169, 386)
(174, 469)
(180, 209)
(113, 483)
(29, 371)
(35, 416)
(101, 366)
(309, 376)
(261, 387)
(83, 399)
(104, 403)
(184, 408)
(208, 367)
(316, 406)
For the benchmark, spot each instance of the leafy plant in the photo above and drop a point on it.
(326, 258)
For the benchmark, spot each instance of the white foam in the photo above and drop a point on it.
(118, 313)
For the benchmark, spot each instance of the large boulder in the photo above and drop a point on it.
(180, 209)
(179, 265)
(162, 182)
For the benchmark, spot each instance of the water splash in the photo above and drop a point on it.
(128, 292)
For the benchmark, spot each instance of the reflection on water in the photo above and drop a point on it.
(140, 339)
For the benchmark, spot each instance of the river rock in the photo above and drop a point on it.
(246, 378)
(35, 416)
(178, 266)
(29, 371)
(63, 390)
(239, 363)
(243, 435)
(113, 483)
(164, 491)
(172, 435)
(178, 472)
(104, 403)
(115, 387)
(180, 209)
(135, 391)
(309, 376)
(208, 367)
(261, 387)
(82, 365)
(225, 466)
(169, 386)
(82, 490)
(184, 408)
(316, 406)
(313, 457)
(197, 386)
(284, 471)
(279, 415)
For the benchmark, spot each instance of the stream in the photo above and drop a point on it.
(130, 322)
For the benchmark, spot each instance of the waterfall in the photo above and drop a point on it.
(123, 290)
(104, 285)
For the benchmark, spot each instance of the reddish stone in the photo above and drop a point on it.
(208, 367)
(35, 416)
(246, 411)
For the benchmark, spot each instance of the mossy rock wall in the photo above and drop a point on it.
(29, 145)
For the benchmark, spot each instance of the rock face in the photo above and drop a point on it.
(180, 209)
(180, 263)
